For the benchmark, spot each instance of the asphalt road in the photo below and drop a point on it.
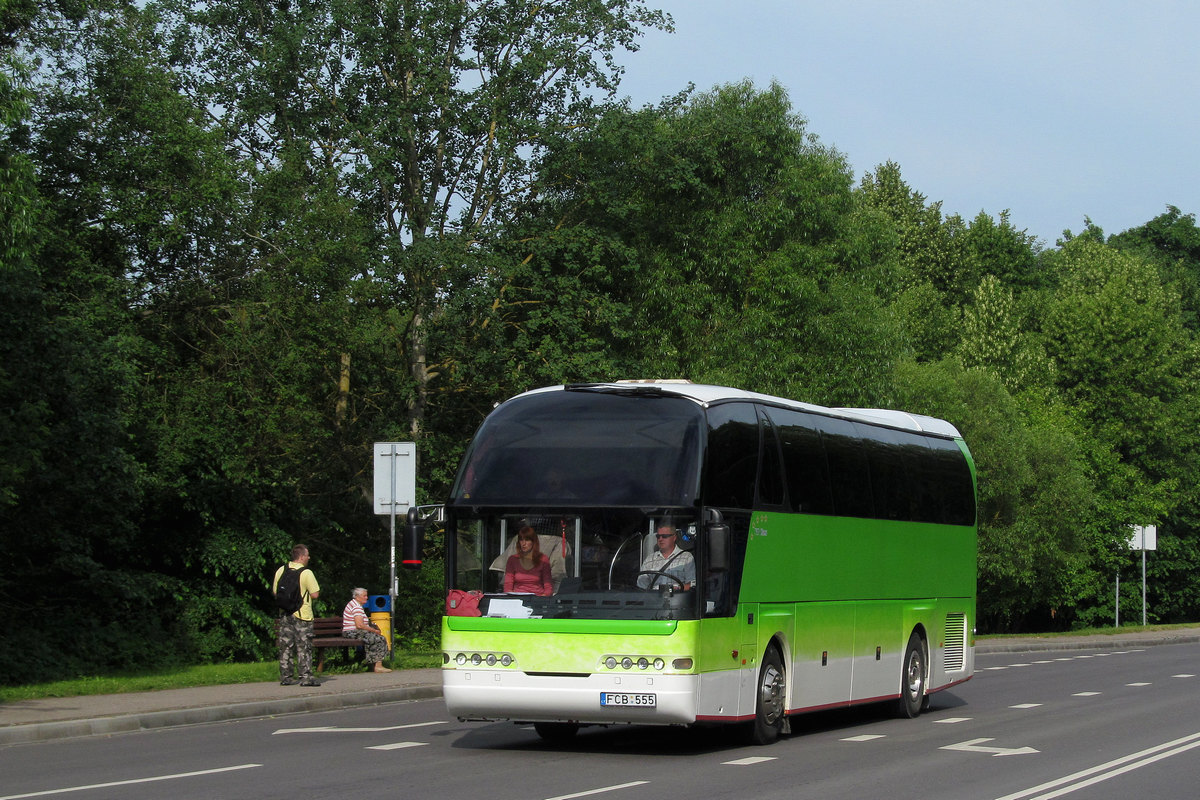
(1099, 724)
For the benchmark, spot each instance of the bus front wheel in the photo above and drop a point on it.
(768, 710)
(913, 672)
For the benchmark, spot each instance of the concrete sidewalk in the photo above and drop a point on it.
(61, 717)
(56, 718)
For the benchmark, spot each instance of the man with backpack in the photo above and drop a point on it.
(294, 588)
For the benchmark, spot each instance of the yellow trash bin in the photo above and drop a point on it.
(383, 621)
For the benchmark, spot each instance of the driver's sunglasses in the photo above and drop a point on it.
(663, 535)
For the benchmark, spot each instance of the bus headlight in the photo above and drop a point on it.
(658, 663)
(478, 659)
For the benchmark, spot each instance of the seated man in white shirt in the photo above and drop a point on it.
(676, 566)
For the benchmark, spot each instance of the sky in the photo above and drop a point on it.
(1054, 110)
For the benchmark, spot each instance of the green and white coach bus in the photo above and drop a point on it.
(833, 552)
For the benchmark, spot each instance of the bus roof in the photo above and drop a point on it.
(707, 395)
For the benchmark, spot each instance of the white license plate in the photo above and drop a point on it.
(627, 699)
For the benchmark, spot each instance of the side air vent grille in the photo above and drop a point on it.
(956, 642)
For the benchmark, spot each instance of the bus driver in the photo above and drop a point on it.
(669, 559)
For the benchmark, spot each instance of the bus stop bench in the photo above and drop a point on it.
(327, 632)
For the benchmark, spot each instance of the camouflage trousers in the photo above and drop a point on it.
(374, 644)
(295, 639)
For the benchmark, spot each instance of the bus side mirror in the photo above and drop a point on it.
(717, 539)
(414, 540)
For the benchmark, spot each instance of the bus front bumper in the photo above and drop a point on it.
(515, 695)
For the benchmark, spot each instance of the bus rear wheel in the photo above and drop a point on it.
(913, 672)
(769, 704)
(556, 731)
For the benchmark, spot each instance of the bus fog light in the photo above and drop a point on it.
(610, 662)
(491, 659)
(626, 663)
(659, 663)
(460, 659)
(643, 662)
(476, 659)
(505, 660)
(681, 663)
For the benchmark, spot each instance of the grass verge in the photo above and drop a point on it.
(1105, 631)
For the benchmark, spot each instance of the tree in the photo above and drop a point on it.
(425, 113)
(1126, 368)
(1171, 241)
(995, 336)
(734, 240)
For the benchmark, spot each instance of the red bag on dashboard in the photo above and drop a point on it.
(460, 603)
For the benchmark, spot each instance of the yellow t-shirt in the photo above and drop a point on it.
(308, 587)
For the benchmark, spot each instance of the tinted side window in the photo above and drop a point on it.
(952, 476)
(770, 472)
(804, 465)
(889, 473)
(848, 472)
(731, 464)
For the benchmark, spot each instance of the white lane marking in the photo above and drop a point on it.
(866, 737)
(977, 746)
(1026, 705)
(396, 745)
(1110, 769)
(745, 762)
(1085, 694)
(598, 791)
(130, 782)
(1143, 683)
(332, 729)
(1183, 675)
(951, 720)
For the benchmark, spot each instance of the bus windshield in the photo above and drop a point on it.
(585, 448)
(607, 481)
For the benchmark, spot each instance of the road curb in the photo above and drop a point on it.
(127, 723)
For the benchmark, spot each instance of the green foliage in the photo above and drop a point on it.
(241, 242)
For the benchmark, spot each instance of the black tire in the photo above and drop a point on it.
(914, 671)
(556, 731)
(770, 698)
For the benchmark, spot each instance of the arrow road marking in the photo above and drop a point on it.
(332, 729)
(974, 746)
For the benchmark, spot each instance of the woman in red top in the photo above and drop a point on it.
(528, 570)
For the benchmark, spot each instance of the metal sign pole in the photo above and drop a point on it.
(393, 591)
(395, 490)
